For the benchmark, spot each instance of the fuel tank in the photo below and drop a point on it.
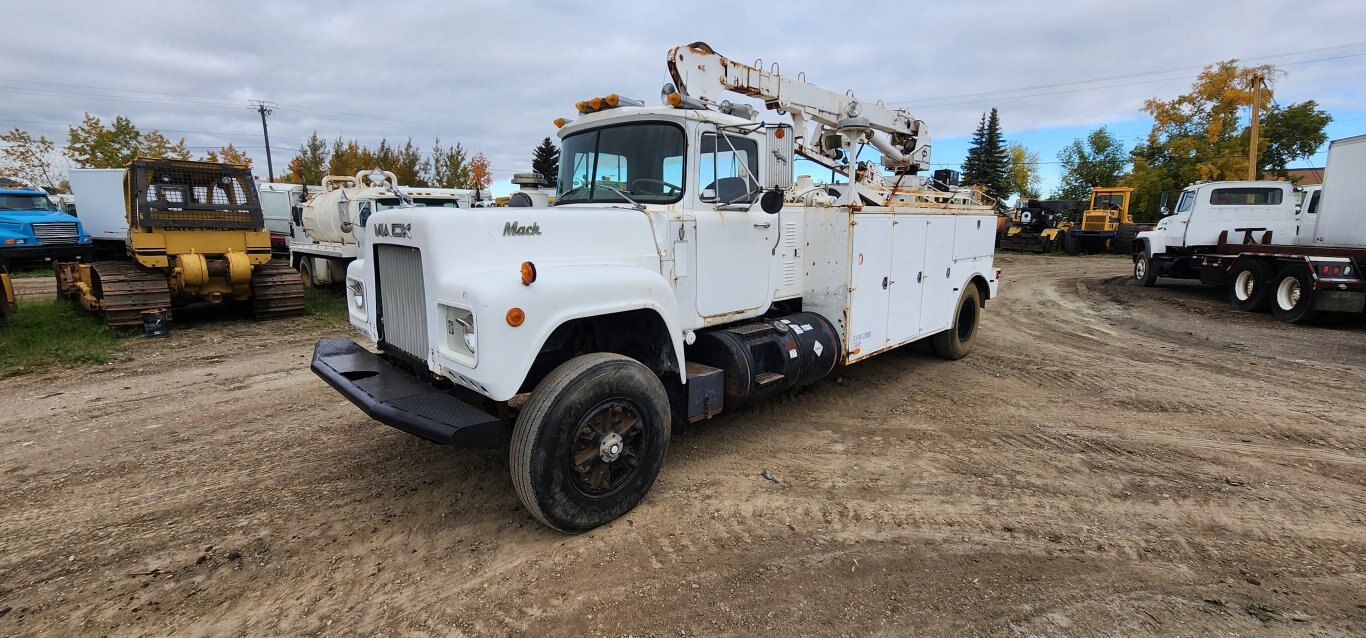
(767, 357)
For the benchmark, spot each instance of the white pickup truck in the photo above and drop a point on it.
(680, 274)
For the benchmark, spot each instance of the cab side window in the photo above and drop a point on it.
(727, 169)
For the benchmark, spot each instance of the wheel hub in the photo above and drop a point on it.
(610, 447)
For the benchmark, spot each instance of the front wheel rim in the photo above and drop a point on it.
(605, 452)
(1140, 269)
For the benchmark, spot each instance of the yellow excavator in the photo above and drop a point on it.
(195, 234)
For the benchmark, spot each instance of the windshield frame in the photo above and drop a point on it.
(51, 205)
(606, 195)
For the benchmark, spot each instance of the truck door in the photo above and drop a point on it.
(1308, 218)
(734, 237)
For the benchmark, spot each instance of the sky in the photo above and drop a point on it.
(494, 75)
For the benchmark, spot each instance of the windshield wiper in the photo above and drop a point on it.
(634, 203)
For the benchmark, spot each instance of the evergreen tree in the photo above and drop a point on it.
(988, 160)
(972, 164)
(546, 161)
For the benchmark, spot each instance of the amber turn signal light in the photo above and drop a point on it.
(528, 273)
(515, 317)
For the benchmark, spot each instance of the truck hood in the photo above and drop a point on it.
(475, 240)
(34, 216)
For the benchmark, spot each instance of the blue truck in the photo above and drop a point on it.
(32, 228)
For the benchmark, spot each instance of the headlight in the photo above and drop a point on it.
(460, 333)
(356, 292)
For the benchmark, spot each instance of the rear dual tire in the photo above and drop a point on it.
(1252, 289)
(1293, 297)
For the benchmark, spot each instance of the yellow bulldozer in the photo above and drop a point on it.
(7, 301)
(195, 234)
(1106, 225)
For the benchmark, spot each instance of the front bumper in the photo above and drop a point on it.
(84, 252)
(396, 398)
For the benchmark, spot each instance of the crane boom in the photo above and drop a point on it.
(702, 74)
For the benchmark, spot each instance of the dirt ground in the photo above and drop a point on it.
(1110, 460)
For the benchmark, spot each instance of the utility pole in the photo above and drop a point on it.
(1256, 125)
(264, 110)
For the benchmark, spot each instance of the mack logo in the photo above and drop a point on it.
(401, 231)
(515, 229)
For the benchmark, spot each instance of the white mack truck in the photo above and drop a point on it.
(681, 273)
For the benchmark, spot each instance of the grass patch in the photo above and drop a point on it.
(45, 335)
(327, 304)
(33, 272)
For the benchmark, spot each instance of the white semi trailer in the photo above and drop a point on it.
(322, 239)
(1298, 254)
(680, 274)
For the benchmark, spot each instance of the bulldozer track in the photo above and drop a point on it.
(126, 291)
(276, 291)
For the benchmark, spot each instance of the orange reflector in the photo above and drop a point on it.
(612, 100)
(595, 103)
(528, 273)
(582, 107)
(515, 317)
(560, 122)
(675, 98)
(780, 133)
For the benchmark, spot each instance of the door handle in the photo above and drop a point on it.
(762, 225)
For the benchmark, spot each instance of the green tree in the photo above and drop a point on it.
(1291, 133)
(1024, 172)
(310, 164)
(1099, 160)
(545, 159)
(448, 167)
(349, 157)
(988, 162)
(93, 145)
(407, 165)
(30, 159)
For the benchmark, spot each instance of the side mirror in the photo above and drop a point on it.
(771, 201)
(1166, 211)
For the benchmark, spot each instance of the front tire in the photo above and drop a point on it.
(590, 441)
(956, 342)
(1294, 296)
(1143, 270)
(1251, 291)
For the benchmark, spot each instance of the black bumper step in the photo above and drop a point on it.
(396, 398)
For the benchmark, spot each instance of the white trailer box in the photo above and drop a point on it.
(1342, 209)
(99, 193)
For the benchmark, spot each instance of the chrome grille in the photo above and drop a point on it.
(402, 303)
(56, 232)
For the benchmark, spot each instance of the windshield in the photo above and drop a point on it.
(385, 203)
(26, 202)
(643, 161)
(1187, 199)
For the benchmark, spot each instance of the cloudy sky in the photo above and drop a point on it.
(493, 75)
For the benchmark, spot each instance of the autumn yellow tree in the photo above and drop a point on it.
(481, 173)
(229, 155)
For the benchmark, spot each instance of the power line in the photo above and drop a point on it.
(1139, 74)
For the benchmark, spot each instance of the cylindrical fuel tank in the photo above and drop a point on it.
(763, 358)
